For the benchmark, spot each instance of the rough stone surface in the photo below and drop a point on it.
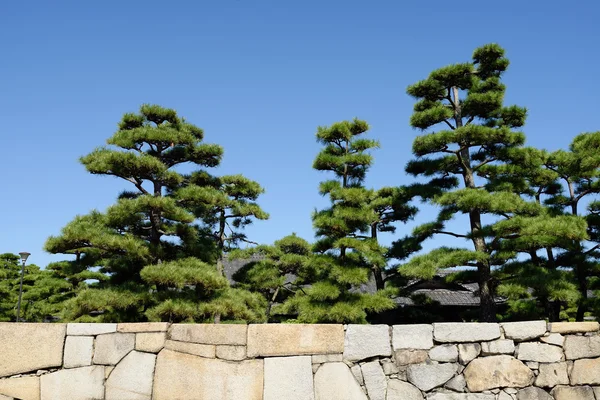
(177, 375)
(525, 330)
(78, 351)
(137, 327)
(572, 393)
(586, 372)
(597, 392)
(444, 353)
(500, 346)
(399, 390)
(288, 378)
(365, 341)
(497, 372)
(201, 350)
(294, 339)
(85, 383)
(232, 353)
(209, 333)
(460, 396)
(389, 368)
(552, 375)
(334, 381)
(540, 352)
(468, 352)
(406, 357)
(533, 393)
(532, 364)
(374, 380)
(24, 388)
(461, 332)
(132, 378)
(412, 337)
(150, 342)
(457, 383)
(573, 327)
(554, 338)
(582, 347)
(323, 358)
(29, 347)
(427, 377)
(357, 374)
(111, 348)
(90, 329)
(504, 396)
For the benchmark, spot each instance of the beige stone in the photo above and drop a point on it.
(85, 383)
(540, 352)
(586, 371)
(461, 396)
(572, 393)
(334, 381)
(463, 332)
(3, 397)
(150, 342)
(294, 339)
(196, 349)
(132, 378)
(533, 393)
(427, 377)
(179, 375)
(24, 388)
(524, 330)
(399, 390)
(468, 352)
(288, 378)
(551, 375)
(323, 358)
(232, 353)
(138, 327)
(111, 348)
(418, 337)
(497, 372)
(573, 327)
(78, 351)
(582, 347)
(407, 357)
(28, 347)
(231, 334)
(90, 329)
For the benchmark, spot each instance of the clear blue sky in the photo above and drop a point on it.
(259, 76)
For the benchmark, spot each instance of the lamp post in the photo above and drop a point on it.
(24, 256)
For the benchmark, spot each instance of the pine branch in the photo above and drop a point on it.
(458, 235)
(592, 249)
(484, 162)
(449, 124)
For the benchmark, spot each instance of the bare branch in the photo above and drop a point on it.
(449, 124)
(458, 235)
(486, 161)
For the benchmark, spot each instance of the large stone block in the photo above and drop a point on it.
(551, 375)
(183, 376)
(85, 383)
(400, 390)
(586, 372)
(232, 353)
(525, 330)
(533, 393)
(29, 347)
(465, 332)
(294, 339)
(574, 327)
(497, 372)
(582, 347)
(427, 377)
(375, 381)
(138, 327)
(444, 353)
(540, 352)
(500, 346)
(150, 342)
(78, 351)
(418, 337)
(24, 388)
(334, 381)
(111, 348)
(572, 393)
(365, 341)
(196, 349)
(288, 378)
(77, 329)
(132, 378)
(231, 334)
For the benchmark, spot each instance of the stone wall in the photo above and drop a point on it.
(158, 361)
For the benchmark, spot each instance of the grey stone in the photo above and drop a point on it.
(533, 393)
(406, 357)
(461, 396)
(132, 378)
(427, 377)
(334, 381)
(366, 341)
(497, 372)
(504, 396)
(323, 358)
(374, 380)
(554, 338)
(85, 383)
(460, 332)
(355, 369)
(288, 378)
(552, 375)
(419, 337)
(468, 352)
(78, 351)
(582, 347)
(457, 383)
(111, 348)
(444, 353)
(525, 330)
(586, 371)
(399, 390)
(540, 352)
(389, 368)
(90, 329)
(532, 364)
(572, 393)
(500, 346)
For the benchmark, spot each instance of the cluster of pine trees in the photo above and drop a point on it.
(529, 219)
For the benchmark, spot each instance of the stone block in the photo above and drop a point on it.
(458, 383)
(232, 353)
(586, 372)
(139, 327)
(78, 351)
(196, 349)
(497, 372)
(468, 352)
(407, 357)
(90, 329)
(111, 348)
(573, 327)
(551, 375)
(323, 358)
(85, 383)
(572, 393)
(375, 380)
(28, 347)
(231, 334)
(461, 396)
(533, 393)
(582, 347)
(294, 339)
(177, 375)
(554, 338)
(427, 377)
(150, 342)
(400, 390)
(334, 381)
(525, 330)
(132, 378)
(389, 368)
(540, 352)
(288, 378)
(24, 388)
(462, 332)
(418, 337)
(366, 341)
(444, 353)
(500, 346)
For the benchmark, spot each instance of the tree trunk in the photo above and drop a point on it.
(377, 273)
(583, 287)
(221, 247)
